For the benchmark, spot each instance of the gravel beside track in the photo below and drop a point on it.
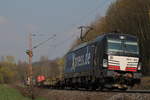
(53, 94)
(85, 95)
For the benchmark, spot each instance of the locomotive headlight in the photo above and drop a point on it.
(139, 66)
(122, 37)
(105, 63)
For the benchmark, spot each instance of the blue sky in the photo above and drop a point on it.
(46, 17)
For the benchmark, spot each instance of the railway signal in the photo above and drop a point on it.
(29, 52)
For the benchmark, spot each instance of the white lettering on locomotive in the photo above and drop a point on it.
(81, 60)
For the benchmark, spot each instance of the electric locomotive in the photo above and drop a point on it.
(111, 60)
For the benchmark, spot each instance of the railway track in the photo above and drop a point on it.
(130, 91)
(81, 93)
(121, 91)
(108, 91)
(105, 90)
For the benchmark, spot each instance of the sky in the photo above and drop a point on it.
(45, 18)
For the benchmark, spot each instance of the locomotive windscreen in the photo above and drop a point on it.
(123, 45)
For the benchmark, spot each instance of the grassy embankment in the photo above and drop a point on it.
(7, 93)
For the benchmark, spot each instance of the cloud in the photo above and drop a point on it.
(3, 20)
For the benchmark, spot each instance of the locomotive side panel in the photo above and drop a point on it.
(80, 60)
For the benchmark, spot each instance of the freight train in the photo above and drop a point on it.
(110, 61)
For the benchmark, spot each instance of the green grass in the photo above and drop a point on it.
(7, 93)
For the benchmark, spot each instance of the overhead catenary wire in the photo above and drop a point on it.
(90, 13)
(43, 42)
(81, 19)
(65, 40)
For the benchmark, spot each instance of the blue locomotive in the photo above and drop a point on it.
(111, 60)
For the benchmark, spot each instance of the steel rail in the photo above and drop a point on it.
(130, 91)
(108, 91)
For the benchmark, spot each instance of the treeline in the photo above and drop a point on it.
(48, 68)
(129, 17)
(12, 72)
(7, 69)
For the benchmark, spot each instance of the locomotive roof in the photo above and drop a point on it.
(80, 46)
(87, 43)
(99, 38)
(119, 34)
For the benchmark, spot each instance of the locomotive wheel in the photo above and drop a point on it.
(123, 89)
(94, 87)
(101, 88)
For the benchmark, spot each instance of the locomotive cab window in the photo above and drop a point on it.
(114, 45)
(117, 45)
(131, 47)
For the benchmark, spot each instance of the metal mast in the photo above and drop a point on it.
(30, 72)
